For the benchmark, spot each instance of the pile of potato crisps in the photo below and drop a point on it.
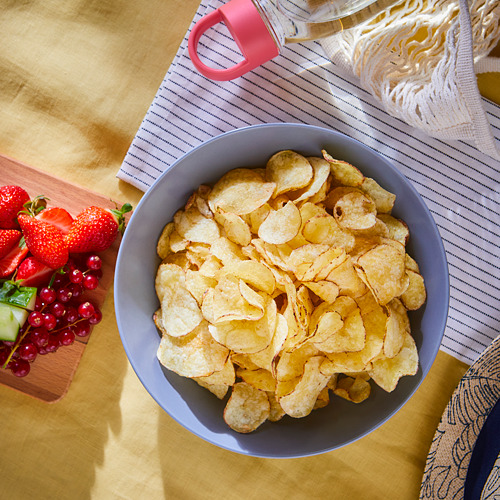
(285, 285)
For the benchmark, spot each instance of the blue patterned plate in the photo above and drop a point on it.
(483, 474)
(463, 461)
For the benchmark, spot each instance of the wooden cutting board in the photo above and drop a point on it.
(51, 374)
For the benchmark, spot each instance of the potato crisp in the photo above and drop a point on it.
(283, 286)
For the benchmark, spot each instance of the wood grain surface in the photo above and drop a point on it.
(51, 374)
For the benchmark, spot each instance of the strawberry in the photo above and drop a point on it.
(32, 272)
(95, 229)
(12, 200)
(9, 263)
(44, 241)
(8, 238)
(58, 217)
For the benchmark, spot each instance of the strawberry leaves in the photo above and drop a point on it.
(120, 216)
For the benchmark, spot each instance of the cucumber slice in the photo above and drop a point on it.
(11, 319)
(21, 296)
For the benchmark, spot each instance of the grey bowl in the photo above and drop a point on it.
(195, 408)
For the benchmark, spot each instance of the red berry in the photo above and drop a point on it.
(27, 351)
(48, 295)
(90, 282)
(94, 262)
(75, 276)
(82, 329)
(96, 317)
(35, 319)
(57, 309)
(71, 315)
(66, 336)
(20, 368)
(4, 354)
(58, 280)
(86, 309)
(75, 289)
(39, 336)
(64, 294)
(49, 321)
(53, 344)
(38, 303)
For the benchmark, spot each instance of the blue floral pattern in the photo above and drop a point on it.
(451, 448)
(491, 489)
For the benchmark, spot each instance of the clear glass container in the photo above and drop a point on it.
(262, 27)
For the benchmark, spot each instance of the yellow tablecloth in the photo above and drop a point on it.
(76, 79)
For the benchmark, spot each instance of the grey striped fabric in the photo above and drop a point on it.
(460, 185)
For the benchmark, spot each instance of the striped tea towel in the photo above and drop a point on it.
(460, 185)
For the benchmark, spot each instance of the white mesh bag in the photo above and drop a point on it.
(420, 60)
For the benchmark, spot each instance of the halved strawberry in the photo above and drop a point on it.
(32, 272)
(8, 238)
(9, 263)
(12, 200)
(58, 217)
(44, 241)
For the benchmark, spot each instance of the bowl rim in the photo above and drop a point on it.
(342, 137)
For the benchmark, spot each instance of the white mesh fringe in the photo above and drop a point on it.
(420, 60)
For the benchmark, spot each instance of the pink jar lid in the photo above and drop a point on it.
(248, 30)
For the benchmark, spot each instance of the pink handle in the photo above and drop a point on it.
(249, 32)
